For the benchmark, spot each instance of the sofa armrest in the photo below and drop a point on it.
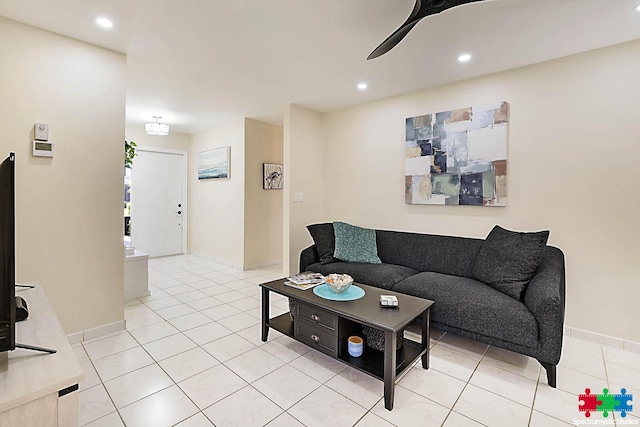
(308, 256)
(545, 299)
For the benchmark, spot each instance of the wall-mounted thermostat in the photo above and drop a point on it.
(42, 149)
(41, 131)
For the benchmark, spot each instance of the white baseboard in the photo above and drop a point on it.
(142, 294)
(96, 332)
(608, 340)
(75, 338)
(233, 264)
(214, 259)
(261, 265)
(632, 346)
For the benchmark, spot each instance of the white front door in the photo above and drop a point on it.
(158, 199)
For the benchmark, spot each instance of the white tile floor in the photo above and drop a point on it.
(192, 356)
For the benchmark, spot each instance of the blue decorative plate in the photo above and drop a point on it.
(352, 293)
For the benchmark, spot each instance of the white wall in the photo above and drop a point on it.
(262, 208)
(69, 208)
(573, 154)
(216, 214)
(303, 157)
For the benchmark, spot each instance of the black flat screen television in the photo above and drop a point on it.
(7, 255)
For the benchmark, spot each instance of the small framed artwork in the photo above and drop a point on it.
(273, 176)
(214, 164)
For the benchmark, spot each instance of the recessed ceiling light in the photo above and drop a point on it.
(464, 57)
(104, 22)
(637, 8)
(362, 86)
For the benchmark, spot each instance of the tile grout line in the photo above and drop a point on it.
(117, 410)
(463, 388)
(533, 403)
(220, 363)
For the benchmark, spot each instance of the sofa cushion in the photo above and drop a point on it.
(378, 275)
(355, 244)
(473, 306)
(508, 260)
(428, 252)
(325, 241)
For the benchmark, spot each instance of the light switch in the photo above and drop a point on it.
(301, 197)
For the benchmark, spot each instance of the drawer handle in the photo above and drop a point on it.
(315, 317)
(315, 338)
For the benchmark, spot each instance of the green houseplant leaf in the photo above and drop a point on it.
(129, 153)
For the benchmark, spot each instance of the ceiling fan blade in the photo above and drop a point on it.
(392, 40)
(421, 9)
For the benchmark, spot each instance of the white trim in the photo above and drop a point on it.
(109, 328)
(161, 150)
(185, 204)
(97, 332)
(632, 346)
(233, 264)
(250, 267)
(262, 265)
(212, 258)
(142, 295)
(607, 340)
(75, 338)
(218, 260)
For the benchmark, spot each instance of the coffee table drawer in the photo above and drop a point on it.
(316, 315)
(316, 337)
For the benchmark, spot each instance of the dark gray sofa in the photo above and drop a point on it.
(439, 268)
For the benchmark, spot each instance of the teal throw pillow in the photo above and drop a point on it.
(355, 244)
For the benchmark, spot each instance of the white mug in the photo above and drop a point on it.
(355, 346)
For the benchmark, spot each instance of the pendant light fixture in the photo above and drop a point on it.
(157, 128)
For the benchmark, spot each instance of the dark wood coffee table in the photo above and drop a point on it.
(325, 325)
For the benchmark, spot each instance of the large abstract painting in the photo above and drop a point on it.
(458, 157)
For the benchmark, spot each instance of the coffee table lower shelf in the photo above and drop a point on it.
(371, 361)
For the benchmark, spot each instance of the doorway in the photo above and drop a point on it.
(158, 201)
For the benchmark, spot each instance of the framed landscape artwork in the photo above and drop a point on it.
(273, 176)
(214, 164)
(458, 157)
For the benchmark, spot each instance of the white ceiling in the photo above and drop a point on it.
(198, 63)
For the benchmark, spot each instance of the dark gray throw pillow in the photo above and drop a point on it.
(355, 244)
(508, 260)
(325, 241)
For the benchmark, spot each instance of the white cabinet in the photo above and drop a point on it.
(136, 275)
(39, 389)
